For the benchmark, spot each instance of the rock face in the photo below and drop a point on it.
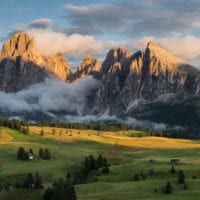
(89, 66)
(143, 77)
(17, 74)
(23, 46)
(115, 69)
(126, 80)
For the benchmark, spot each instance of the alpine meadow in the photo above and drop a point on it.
(100, 100)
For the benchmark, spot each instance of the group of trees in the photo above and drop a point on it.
(62, 190)
(32, 181)
(90, 164)
(24, 155)
(13, 124)
(106, 126)
(167, 189)
(44, 154)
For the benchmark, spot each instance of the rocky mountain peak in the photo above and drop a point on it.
(117, 57)
(88, 66)
(21, 44)
(154, 51)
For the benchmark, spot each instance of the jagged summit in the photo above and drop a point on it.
(23, 45)
(88, 66)
(156, 51)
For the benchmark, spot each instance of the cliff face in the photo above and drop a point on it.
(126, 80)
(129, 81)
(17, 74)
(89, 66)
(23, 46)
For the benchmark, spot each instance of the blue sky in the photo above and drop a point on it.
(93, 27)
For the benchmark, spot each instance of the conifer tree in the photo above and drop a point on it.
(47, 154)
(38, 181)
(41, 153)
(173, 171)
(181, 177)
(168, 188)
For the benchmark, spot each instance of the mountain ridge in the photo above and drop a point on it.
(126, 81)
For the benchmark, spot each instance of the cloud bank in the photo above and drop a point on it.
(50, 96)
(146, 17)
(51, 42)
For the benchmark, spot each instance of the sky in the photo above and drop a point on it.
(79, 27)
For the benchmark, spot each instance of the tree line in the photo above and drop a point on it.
(62, 189)
(106, 126)
(22, 154)
(23, 127)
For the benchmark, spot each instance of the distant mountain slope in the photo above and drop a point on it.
(155, 74)
(143, 84)
(21, 62)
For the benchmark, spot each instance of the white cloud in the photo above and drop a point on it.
(51, 95)
(51, 42)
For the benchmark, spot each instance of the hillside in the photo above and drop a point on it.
(126, 155)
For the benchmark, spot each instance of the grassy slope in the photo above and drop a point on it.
(126, 155)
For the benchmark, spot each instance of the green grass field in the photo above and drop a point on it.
(126, 155)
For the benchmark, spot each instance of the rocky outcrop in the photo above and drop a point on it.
(129, 81)
(23, 45)
(115, 69)
(89, 66)
(17, 74)
(126, 80)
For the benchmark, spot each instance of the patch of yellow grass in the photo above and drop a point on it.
(4, 137)
(158, 142)
(70, 135)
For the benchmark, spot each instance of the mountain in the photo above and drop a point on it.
(153, 85)
(133, 80)
(89, 66)
(23, 65)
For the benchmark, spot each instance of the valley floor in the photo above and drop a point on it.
(127, 156)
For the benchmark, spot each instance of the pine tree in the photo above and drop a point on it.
(48, 195)
(29, 181)
(142, 176)
(70, 190)
(92, 162)
(47, 154)
(181, 177)
(168, 188)
(38, 181)
(87, 167)
(173, 171)
(31, 151)
(20, 153)
(136, 177)
(41, 153)
(68, 175)
(59, 190)
(100, 161)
